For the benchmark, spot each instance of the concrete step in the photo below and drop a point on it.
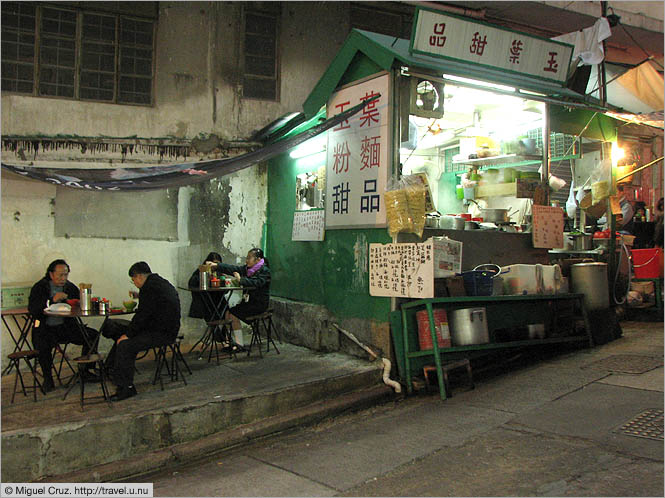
(221, 405)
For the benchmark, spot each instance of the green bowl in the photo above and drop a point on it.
(129, 305)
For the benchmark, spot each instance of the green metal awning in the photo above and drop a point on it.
(387, 52)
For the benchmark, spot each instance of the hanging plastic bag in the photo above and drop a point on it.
(405, 206)
(571, 203)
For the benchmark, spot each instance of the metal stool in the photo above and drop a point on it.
(15, 360)
(215, 341)
(62, 351)
(266, 320)
(96, 361)
(173, 371)
(445, 368)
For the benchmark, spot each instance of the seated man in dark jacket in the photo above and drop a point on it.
(156, 322)
(51, 330)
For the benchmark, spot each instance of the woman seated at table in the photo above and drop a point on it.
(254, 274)
(198, 308)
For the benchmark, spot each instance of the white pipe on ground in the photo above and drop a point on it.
(385, 361)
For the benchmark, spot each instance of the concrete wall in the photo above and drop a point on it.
(196, 92)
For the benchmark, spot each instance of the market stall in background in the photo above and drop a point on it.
(468, 177)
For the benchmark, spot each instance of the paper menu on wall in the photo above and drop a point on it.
(547, 230)
(401, 270)
(308, 225)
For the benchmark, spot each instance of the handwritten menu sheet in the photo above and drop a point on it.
(308, 225)
(401, 270)
(547, 228)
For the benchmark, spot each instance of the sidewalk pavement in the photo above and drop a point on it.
(571, 424)
(586, 395)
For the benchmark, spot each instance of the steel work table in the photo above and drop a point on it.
(502, 312)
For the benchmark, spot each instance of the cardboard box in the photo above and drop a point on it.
(16, 295)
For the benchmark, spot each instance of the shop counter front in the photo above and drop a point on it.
(506, 315)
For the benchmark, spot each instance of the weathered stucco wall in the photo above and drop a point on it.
(29, 242)
(196, 92)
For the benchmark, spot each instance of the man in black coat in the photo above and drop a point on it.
(156, 322)
(52, 330)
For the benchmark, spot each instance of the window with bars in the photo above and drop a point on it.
(48, 51)
(260, 74)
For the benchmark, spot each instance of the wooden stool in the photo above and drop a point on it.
(94, 361)
(445, 368)
(173, 371)
(15, 361)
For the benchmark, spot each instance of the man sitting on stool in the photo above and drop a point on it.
(156, 323)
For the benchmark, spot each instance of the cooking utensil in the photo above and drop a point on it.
(470, 225)
(469, 326)
(581, 241)
(458, 223)
(495, 215)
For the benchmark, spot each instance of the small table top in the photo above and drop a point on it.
(15, 311)
(78, 312)
(214, 289)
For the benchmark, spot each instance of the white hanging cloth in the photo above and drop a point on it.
(588, 42)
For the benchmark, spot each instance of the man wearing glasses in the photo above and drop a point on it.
(52, 330)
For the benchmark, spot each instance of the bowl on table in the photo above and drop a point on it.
(73, 302)
(129, 305)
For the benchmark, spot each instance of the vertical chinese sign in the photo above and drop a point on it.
(451, 37)
(358, 157)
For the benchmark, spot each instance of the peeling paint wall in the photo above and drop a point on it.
(196, 93)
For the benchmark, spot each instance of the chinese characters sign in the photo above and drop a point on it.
(444, 35)
(547, 228)
(308, 225)
(401, 270)
(358, 157)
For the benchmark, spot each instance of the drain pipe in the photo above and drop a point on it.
(386, 362)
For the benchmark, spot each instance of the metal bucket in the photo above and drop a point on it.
(469, 326)
(590, 279)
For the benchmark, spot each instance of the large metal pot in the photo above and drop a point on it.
(495, 215)
(469, 326)
(590, 279)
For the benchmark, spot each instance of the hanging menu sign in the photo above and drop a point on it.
(547, 229)
(451, 37)
(401, 270)
(358, 156)
(308, 225)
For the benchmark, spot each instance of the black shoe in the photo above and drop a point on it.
(48, 386)
(124, 393)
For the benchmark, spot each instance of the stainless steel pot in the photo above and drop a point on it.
(458, 223)
(581, 242)
(495, 215)
(468, 326)
(591, 280)
(470, 225)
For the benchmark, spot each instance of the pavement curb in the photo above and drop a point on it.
(179, 454)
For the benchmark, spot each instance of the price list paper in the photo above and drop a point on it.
(401, 270)
(308, 225)
(547, 228)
